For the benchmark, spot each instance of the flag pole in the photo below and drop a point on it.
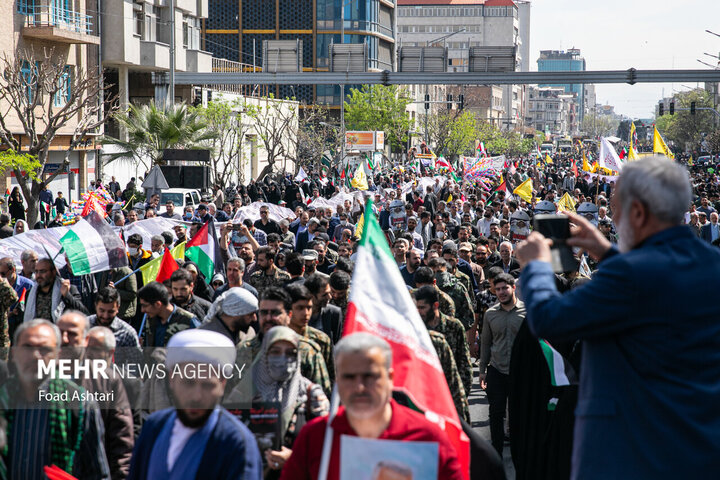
(328, 441)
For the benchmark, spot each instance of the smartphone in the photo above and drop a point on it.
(237, 226)
(557, 228)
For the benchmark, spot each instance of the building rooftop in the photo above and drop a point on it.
(490, 3)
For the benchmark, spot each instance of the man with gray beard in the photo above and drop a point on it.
(648, 345)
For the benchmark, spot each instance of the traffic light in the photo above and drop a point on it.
(661, 109)
(449, 102)
(672, 107)
(461, 102)
(427, 102)
(692, 108)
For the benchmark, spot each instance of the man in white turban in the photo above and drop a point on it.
(198, 438)
(231, 315)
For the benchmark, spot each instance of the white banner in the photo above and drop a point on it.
(252, 211)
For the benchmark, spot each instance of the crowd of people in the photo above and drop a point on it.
(277, 304)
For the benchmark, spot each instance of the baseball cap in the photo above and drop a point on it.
(309, 254)
(465, 247)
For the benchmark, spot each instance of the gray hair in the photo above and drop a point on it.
(660, 184)
(26, 254)
(109, 342)
(240, 262)
(37, 323)
(157, 238)
(362, 342)
(506, 243)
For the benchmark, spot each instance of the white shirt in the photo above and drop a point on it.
(180, 436)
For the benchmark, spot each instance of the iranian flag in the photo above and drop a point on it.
(381, 304)
(203, 249)
(92, 246)
(442, 163)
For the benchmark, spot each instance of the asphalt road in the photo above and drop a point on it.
(481, 424)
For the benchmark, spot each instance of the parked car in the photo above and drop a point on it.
(181, 197)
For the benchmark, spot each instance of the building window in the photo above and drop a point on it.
(62, 96)
(29, 77)
(138, 23)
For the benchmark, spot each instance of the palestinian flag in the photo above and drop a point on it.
(325, 164)
(45, 207)
(92, 246)
(561, 372)
(203, 249)
(502, 187)
(7, 192)
(370, 163)
(380, 304)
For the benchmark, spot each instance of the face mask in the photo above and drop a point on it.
(440, 234)
(132, 251)
(188, 216)
(281, 367)
(343, 222)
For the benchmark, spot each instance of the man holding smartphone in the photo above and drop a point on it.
(650, 377)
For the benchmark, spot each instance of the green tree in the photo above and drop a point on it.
(378, 107)
(713, 142)
(517, 145)
(453, 133)
(151, 129)
(39, 98)
(316, 137)
(493, 139)
(684, 129)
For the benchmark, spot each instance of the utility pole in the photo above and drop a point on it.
(170, 100)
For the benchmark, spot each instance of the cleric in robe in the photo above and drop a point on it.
(198, 439)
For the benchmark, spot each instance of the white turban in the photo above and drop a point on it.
(195, 345)
(234, 302)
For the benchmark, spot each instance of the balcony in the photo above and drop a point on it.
(50, 21)
(155, 55)
(198, 61)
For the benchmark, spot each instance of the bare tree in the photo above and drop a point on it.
(275, 123)
(316, 136)
(47, 98)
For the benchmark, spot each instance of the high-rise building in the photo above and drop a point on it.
(235, 30)
(564, 61)
(462, 24)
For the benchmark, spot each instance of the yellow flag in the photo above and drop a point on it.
(566, 203)
(586, 165)
(659, 145)
(449, 199)
(548, 160)
(632, 154)
(150, 270)
(359, 179)
(525, 190)
(632, 134)
(691, 162)
(360, 225)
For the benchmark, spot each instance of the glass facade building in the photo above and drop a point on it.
(235, 30)
(564, 61)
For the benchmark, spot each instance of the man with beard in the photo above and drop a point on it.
(232, 314)
(53, 295)
(339, 289)
(198, 438)
(412, 263)
(648, 345)
(116, 414)
(453, 333)
(182, 285)
(326, 318)
(35, 434)
(500, 325)
(365, 383)
(273, 310)
(267, 273)
(107, 307)
(300, 313)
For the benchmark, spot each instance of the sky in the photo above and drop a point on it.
(617, 35)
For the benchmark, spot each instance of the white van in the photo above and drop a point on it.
(181, 197)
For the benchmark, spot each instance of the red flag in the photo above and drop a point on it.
(22, 296)
(502, 187)
(92, 204)
(574, 168)
(622, 153)
(167, 266)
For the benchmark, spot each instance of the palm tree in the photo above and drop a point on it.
(150, 130)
